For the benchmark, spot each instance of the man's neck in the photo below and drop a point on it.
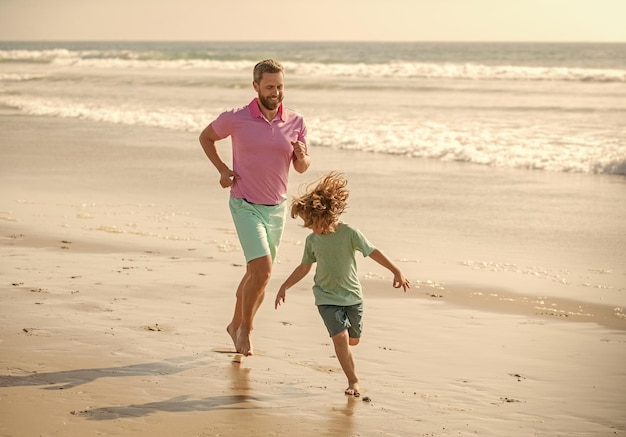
(269, 114)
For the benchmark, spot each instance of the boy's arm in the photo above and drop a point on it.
(398, 278)
(296, 276)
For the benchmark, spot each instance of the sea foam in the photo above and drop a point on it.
(431, 140)
(419, 70)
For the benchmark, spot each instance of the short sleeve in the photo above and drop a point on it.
(222, 125)
(361, 243)
(308, 257)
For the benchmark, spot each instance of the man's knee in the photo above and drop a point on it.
(260, 270)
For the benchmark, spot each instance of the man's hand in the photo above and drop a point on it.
(227, 178)
(300, 149)
(302, 161)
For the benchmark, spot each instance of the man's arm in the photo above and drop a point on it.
(208, 137)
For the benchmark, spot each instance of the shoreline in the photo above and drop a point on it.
(459, 294)
(503, 302)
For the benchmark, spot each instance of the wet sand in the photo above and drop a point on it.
(119, 264)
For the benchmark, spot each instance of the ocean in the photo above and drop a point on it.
(540, 106)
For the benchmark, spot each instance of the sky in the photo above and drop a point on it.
(314, 20)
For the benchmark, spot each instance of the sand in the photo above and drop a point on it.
(119, 264)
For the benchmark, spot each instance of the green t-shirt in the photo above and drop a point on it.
(336, 279)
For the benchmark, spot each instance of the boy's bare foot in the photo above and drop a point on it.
(243, 344)
(353, 390)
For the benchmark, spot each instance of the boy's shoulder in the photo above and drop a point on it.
(347, 227)
(340, 232)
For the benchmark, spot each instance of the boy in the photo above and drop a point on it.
(333, 245)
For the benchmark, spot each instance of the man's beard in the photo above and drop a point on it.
(270, 104)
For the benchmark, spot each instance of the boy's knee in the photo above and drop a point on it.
(354, 341)
(340, 337)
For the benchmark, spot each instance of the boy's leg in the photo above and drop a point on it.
(342, 342)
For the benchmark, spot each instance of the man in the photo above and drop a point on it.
(266, 139)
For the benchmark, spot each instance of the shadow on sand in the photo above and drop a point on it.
(67, 379)
(174, 405)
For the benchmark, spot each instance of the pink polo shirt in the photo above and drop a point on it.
(262, 150)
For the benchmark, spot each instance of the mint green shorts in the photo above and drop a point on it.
(259, 227)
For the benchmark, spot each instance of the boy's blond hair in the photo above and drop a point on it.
(323, 202)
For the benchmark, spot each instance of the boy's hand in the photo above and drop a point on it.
(280, 298)
(400, 281)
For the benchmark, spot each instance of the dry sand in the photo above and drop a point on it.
(117, 284)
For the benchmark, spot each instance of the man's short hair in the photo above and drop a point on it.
(266, 66)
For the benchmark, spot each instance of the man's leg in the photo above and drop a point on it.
(259, 229)
(238, 313)
(250, 295)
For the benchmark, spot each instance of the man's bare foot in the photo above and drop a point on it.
(243, 344)
(233, 335)
(353, 390)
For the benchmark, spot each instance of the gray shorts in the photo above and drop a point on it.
(339, 318)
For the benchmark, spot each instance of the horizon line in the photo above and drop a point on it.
(315, 41)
